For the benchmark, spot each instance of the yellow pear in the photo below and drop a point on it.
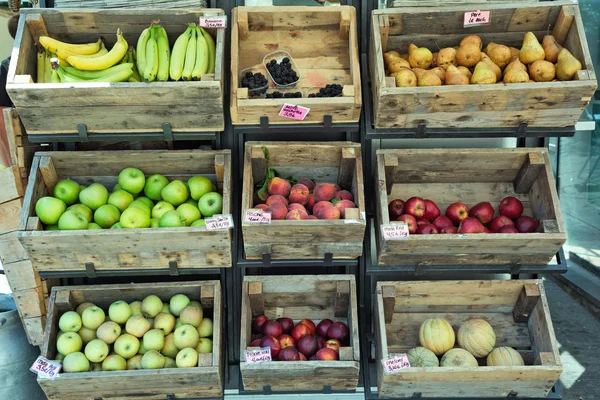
(542, 71)
(566, 65)
(516, 75)
(499, 54)
(440, 72)
(483, 75)
(531, 50)
(465, 71)
(419, 57)
(468, 55)
(418, 71)
(516, 64)
(398, 64)
(429, 78)
(514, 54)
(446, 57)
(434, 60)
(390, 56)
(404, 56)
(471, 39)
(551, 48)
(455, 77)
(405, 78)
(492, 66)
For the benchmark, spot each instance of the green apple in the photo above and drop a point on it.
(69, 322)
(170, 363)
(75, 362)
(153, 360)
(69, 342)
(52, 227)
(169, 349)
(120, 199)
(178, 303)
(211, 204)
(146, 200)
(151, 306)
(109, 331)
(94, 196)
(154, 222)
(187, 358)
(205, 329)
(154, 185)
(107, 215)
(85, 210)
(80, 308)
(135, 362)
(127, 345)
(137, 325)
(175, 193)
(166, 308)
(191, 315)
(96, 350)
(195, 303)
(141, 205)
(142, 349)
(132, 180)
(86, 335)
(95, 367)
(186, 336)
(48, 209)
(154, 339)
(72, 221)
(117, 225)
(81, 187)
(164, 321)
(93, 226)
(204, 346)
(114, 362)
(189, 213)
(136, 307)
(192, 202)
(116, 188)
(178, 323)
(93, 317)
(119, 312)
(171, 219)
(59, 357)
(67, 191)
(160, 208)
(199, 186)
(135, 217)
(199, 222)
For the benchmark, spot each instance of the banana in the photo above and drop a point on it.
(190, 57)
(63, 54)
(164, 54)
(136, 75)
(87, 75)
(178, 55)
(41, 65)
(141, 49)
(119, 75)
(53, 46)
(151, 68)
(201, 65)
(62, 61)
(47, 68)
(55, 77)
(105, 61)
(212, 50)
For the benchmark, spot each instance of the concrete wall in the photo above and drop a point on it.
(6, 42)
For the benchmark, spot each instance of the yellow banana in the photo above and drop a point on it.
(115, 55)
(164, 54)
(54, 46)
(62, 61)
(212, 50)
(190, 57)
(151, 68)
(63, 54)
(178, 55)
(41, 65)
(201, 65)
(47, 68)
(136, 75)
(141, 49)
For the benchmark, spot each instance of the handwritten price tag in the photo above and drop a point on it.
(394, 231)
(219, 222)
(213, 22)
(294, 112)
(258, 356)
(45, 368)
(255, 216)
(476, 18)
(395, 364)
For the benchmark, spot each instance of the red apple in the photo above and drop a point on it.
(442, 222)
(483, 211)
(395, 209)
(307, 345)
(525, 224)
(426, 230)
(422, 221)
(471, 225)
(457, 212)
(302, 357)
(327, 354)
(312, 329)
(507, 229)
(449, 230)
(258, 323)
(299, 331)
(286, 324)
(323, 326)
(272, 343)
(410, 221)
(272, 328)
(511, 207)
(289, 354)
(486, 230)
(286, 341)
(499, 222)
(334, 345)
(432, 211)
(254, 343)
(415, 206)
(339, 331)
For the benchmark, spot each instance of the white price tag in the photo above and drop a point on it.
(476, 18)
(258, 356)
(394, 231)
(395, 364)
(213, 22)
(219, 222)
(256, 216)
(45, 368)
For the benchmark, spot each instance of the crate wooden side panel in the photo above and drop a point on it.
(133, 107)
(191, 247)
(310, 238)
(21, 151)
(324, 45)
(537, 104)
(438, 3)
(470, 176)
(401, 307)
(21, 275)
(313, 297)
(34, 329)
(142, 384)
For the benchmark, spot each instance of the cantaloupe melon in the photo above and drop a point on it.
(458, 358)
(437, 335)
(504, 357)
(477, 337)
(422, 357)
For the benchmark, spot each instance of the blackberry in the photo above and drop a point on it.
(298, 94)
(248, 74)
(286, 60)
(312, 95)
(273, 62)
(269, 96)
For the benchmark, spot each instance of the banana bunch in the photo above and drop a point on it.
(117, 73)
(130, 59)
(153, 54)
(193, 55)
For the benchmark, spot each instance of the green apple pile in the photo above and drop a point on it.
(135, 202)
(140, 335)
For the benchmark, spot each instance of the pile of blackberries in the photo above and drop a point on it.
(282, 73)
(330, 90)
(279, 95)
(256, 83)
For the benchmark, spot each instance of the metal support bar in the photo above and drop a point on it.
(90, 270)
(173, 269)
(83, 135)
(167, 131)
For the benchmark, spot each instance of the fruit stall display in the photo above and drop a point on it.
(471, 339)
(314, 194)
(518, 69)
(135, 340)
(294, 55)
(468, 206)
(117, 71)
(152, 217)
(310, 325)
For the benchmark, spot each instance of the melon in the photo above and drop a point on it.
(504, 357)
(422, 357)
(477, 337)
(437, 335)
(458, 358)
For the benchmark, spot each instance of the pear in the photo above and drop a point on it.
(516, 75)
(468, 55)
(531, 50)
(428, 78)
(492, 66)
(551, 48)
(566, 65)
(440, 72)
(434, 60)
(397, 65)
(483, 74)
(465, 71)
(446, 57)
(499, 54)
(516, 64)
(419, 57)
(390, 56)
(404, 56)
(542, 71)
(405, 78)
(455, 77)
(514, 54)
(471, 39)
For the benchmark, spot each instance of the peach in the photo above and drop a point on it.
(296, 214)
(342, 205)
(299, 194)
(329, 213)
(344, 195)
(320, 205)
(277, 210)
(296, 206)
(261, 207)
(312, 217)
(277, 199)
(310, 203)
(307, 182)
(324, 191)
(262, 198)
(279, 186)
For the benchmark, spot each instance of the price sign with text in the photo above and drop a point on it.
(394, 231)
(255, 216)
(213, 22)
(294, 112)
(395, 364)
(476, 18)
(219, 222)
(258, 356)
(45, 368)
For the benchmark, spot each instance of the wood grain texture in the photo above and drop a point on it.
(11, 250)
(11, 184)
(30, 302)
(34, 328)
(9, 215)
(21, 275)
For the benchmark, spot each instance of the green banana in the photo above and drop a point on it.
(47, 68)
(41, 66)
(212, 50)
(141, 49)
(190, 57)
(120, 75)
(178, 54)
(88, 75)
(136, 75)
(201, 65)
(164, 54)
(55, 78)
(151, 64)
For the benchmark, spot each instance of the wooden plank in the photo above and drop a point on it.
(21, 275)
(563, 23)
(391, 163)
(30, 302)
(529, 172)
(345, 21)
(9, 215)
(34, 329)
(48, 172)
(220, 170)
(342, 299)
(11, 184)
(11, 250)
(347, 167)
(12, 124)
(528, 299)
(37, 27)
(207, 296)
(255, 295)
(259, 165)
(388, 295)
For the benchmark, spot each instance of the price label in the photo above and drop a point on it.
(394, 231)
(45, 368)
(395, 364)
(255, 216)
(294, 112)
(258, 356)
(476, 18)
(213, 22)
(219, 222)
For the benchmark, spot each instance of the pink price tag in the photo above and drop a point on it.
(219, 222)
(213, 22)
(255, 216)
(294, 112)
(395, 364)
(45, 368)
(394, 231)
(476, 18)
(258, 356)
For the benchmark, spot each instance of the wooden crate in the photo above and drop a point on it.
(479, 106)
(440, 3)
(299, 297)
(323, 42)
(21, 150)
(206, 380)
(151, 248)
(333, 162)
(123, 107)
(470, 176)
(516, 309)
